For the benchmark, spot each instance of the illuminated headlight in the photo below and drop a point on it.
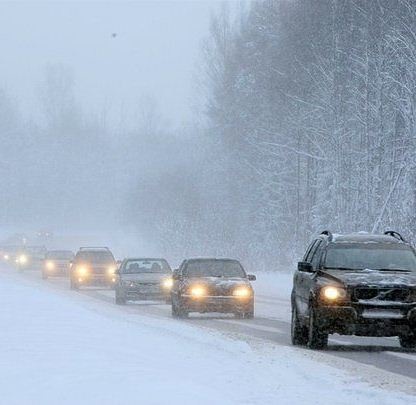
(242, 292)
(6, 257)
(331, 293)
(82, 271)
(22, 259)
(167, 283)
(50, 265)
(198, 291)
(111, 270)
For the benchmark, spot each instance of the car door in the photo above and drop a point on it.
(303, 281)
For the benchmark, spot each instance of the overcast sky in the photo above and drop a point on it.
(154, 51)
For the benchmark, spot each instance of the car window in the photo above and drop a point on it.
(146, 266)
(317, 254)
(311, 251)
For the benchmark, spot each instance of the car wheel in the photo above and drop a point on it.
(408, 341)
(316, 339)
(299, 333)
(119, 297)
(178, 310)
(74, 285)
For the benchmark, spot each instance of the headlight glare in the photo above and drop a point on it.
(50, 265)
(82, 271)
(242, 292)
(167, 283)
(198, 291)
(331, 293)
(22, 259)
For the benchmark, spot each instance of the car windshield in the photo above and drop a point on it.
(96, 257)
(372, 256)
(146, 266)
(60, 255)
(214, 268)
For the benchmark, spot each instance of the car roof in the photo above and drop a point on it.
(144, 258)
(360, 237)
(210, 259)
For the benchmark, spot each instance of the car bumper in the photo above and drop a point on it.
(368, 321)
(137, 293)
(220, 304)
(96, 280)
(57, 272)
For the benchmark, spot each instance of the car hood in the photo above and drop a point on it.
(370, 277)
(146, 277)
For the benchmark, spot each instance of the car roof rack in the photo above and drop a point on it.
(94, 248)
(395, 235)
(329, 234)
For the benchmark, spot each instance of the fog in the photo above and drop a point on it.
(94, 97)
(204, 128)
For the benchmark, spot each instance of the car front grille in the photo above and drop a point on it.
(382, 294)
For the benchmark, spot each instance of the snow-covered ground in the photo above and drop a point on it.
(64, 347)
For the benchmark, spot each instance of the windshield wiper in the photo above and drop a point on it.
(341, 268)
(387, 269)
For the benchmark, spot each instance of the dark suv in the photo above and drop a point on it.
(212, 285)
(357, 284)
(93, 266)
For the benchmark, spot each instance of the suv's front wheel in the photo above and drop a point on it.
(316, 338)
(299, 333)
(178, 311)
(408, 341)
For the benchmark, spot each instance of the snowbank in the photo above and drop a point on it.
(67, 348)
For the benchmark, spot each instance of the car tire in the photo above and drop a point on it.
(178, 311)
(408, 341)
(74, 285)
(299, 333)
(120, 299)
(317, 340)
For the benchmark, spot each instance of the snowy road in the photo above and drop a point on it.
(378, 362)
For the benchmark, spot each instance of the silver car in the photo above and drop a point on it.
(143, 279)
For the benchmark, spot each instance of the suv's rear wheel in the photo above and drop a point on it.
(408, 341)
(299, 333)
(316, 338)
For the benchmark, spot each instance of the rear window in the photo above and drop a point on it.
(96, 256)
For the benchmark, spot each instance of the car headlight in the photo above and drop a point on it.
(330, 293)
(198, 291)
(242, 292)
(22, 259)
(111, 270)
(167, 283)
(50, 265)
(82, 271)
(6, 257)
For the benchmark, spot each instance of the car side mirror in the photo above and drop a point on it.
(305, 267)
(176, 276)
(251, 277)
(117, 272)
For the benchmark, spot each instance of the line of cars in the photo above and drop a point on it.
(198, 285)
(355, 284)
